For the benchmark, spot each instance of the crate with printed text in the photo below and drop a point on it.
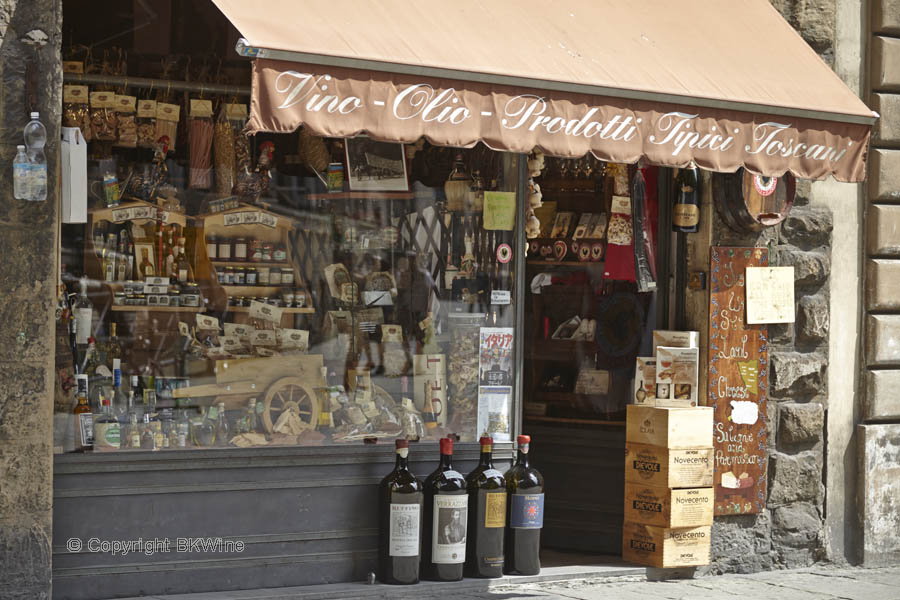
(666, 548)
(668, 467)
(660, 506)
(670, 427)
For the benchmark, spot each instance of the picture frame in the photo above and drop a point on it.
(375, 166)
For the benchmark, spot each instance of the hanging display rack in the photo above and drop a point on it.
(160, 84)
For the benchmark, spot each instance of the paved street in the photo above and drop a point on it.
(620, 583)
(810, 584)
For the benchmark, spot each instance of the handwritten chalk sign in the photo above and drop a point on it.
(737, 383)
(770, 295)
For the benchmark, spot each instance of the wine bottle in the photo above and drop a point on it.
(686, 214)
(487, 519)
(525, 515)
(400, 522)
(446, 504)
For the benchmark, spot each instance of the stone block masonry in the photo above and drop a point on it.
(790, 531)
(30, 39)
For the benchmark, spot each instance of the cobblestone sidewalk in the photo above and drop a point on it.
(824, 583)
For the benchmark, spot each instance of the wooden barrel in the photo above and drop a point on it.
(749, 202)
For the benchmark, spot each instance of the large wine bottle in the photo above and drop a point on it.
(400, 522)
(446, 504)
(487, 517)
(525, 515)
(686, 213)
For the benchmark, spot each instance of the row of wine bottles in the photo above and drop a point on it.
(482, 525)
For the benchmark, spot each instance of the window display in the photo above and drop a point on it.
(283, 303)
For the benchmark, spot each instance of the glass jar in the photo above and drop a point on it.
(275, 277)
(287, 276)
(268, 250)
(251, 275)
(229, 275)
(220, 275)
(280, 253)
(175, 298)
(287, 296)
(140, 300)
(190, 296)
(224, 249)
(240, 249)
(212, 247)
(262, 275)
(300, 298)
(236, 301)
(119, 298)
(239, 276)
(256, 251)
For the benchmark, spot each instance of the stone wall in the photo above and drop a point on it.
(790, 532)
(29, 35)
(879, 436)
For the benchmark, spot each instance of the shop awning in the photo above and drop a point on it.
(722, 84)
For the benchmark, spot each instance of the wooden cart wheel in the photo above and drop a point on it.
(291, 393)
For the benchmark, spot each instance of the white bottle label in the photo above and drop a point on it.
(448, 544)
(404, 533)
(83, 318)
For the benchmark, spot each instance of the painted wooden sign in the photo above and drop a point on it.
(738, 382)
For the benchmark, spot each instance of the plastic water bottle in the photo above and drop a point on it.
(35, 138)
(20, 174)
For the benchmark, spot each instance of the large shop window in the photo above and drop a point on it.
(222, 294)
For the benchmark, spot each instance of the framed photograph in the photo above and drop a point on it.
(375, 166)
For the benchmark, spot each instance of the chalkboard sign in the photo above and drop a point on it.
(738, 381)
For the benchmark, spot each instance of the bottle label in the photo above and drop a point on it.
(86, 428)
(686, 215)
(495, 509)
(106, 435)
(404, 532)
(449, 529)
(83, 318)
(526, 511)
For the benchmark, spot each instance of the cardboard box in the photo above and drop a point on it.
(675, 339)
(665, 548)
(644, 381)
(671, 468)
(669, 427)
(677, 371)
(660, 506)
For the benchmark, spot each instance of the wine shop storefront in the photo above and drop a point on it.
(401, 220)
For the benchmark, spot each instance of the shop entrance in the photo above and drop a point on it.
(589, 312)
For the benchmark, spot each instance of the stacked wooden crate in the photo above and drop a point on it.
(669, 493)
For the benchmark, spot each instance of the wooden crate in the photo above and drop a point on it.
(670, 427)
(667, 467)
(660, 506)
(666, 548)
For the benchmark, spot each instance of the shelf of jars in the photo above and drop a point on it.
(248, 256)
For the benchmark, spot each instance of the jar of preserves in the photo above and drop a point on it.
(240, 249)
(239, 276)
(229, 275)
(287, 276)
(275, 276)
(119, 298)
(190, 296)
(212, 247)
(175, 298)
(268, 250)
(256, 251)
(280, 253)
(300, 298)
(220, 275)
(262, 275)
(287, 296)
(251, 276)
(224, 249)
